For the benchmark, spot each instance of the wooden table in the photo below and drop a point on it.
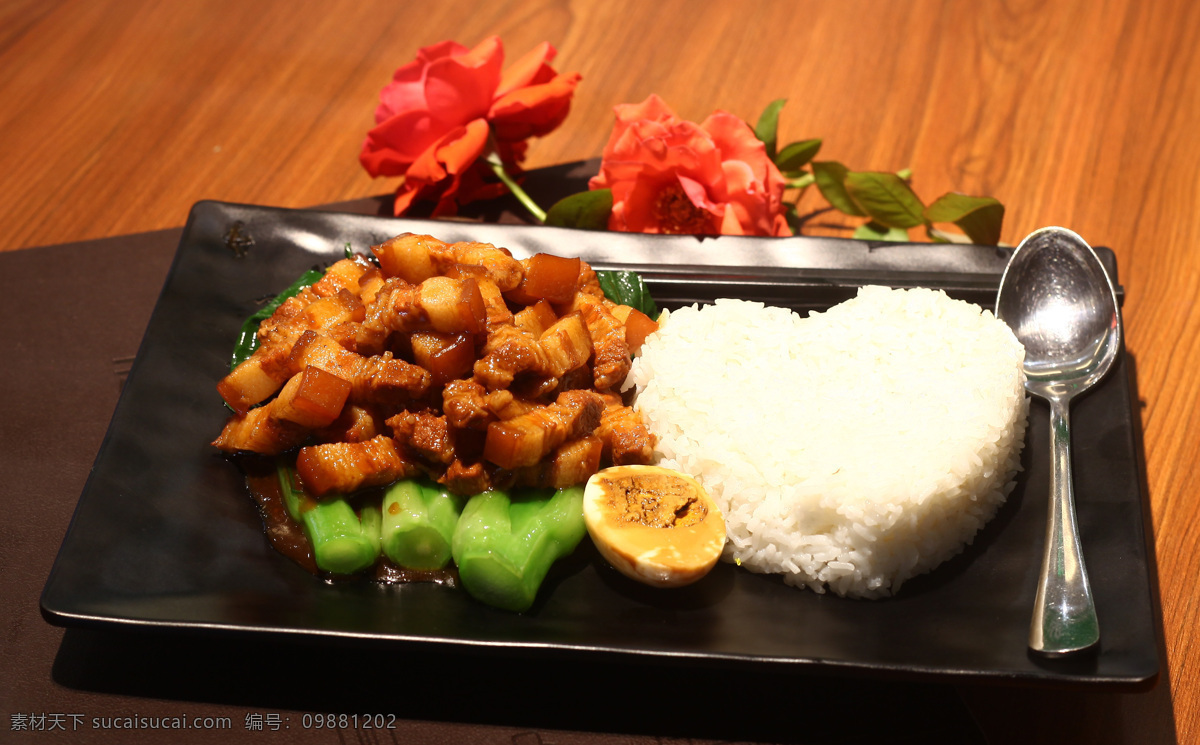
(116, 116)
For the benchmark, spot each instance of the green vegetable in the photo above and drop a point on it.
(343, 541)
(979, 217)
(504, 545)
(627, 288)
(588, 210)
(886, 197)
(887, 200)
(247, 340)
(418, 524)
(768, 126)
(830, 176)
(796, 155)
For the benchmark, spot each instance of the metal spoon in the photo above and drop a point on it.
(1057, 298)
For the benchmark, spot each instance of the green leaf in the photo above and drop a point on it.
(886, 198)
(627, 288)
(588, 210)
(831, 180)
(797, 154)
(768, 125)
(247, 340)
(873, 231)
(979, 217)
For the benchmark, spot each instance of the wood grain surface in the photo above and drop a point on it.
(116, 116)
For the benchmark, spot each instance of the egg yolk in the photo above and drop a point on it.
(654, 525)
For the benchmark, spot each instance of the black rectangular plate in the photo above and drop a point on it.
(165, 535)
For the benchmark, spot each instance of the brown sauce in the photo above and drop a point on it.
(287, 537)
(284, 533)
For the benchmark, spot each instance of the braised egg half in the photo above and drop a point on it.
(653, 524)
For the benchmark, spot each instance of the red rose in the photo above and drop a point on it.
(434, 118)
(668, 175)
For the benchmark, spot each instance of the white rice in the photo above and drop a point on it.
(852, 449)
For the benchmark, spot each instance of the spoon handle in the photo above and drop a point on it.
(1064, 615)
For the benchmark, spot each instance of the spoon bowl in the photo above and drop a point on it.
(1060, 303)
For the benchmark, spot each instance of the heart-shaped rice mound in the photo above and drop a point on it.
(852, 449)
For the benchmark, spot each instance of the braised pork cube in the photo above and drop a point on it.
(505, 405)
(344, 467)
(447, 357)
(497, 262)
(546, 277)
(311, 399)
(355, 424)
(571, 463)
(409, 256)
(508, 352)
(473, 477)
(377, 379)
(437, 304)
(638, 326)
(567, 344)
(257, 431)
(465, 405)
(626, 439)
(611, 354)
(493, 299)
(526, 439)
(266, 370)
(427, 435)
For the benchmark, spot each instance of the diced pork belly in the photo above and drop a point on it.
(637, 324)
(508, 352)
(322, 313)
(256, 378)
(493, 300)
(505, 405)
(567, 344)
(611, 353)
(378, 379)
(626, 439)
(465, 405)
(447, 357)
(469, 478)
(267, 369)
(257, 431)
(525, 440)
(437, 304)
(354, 424)
(342, 275)
(343, 467)
(588, 283)
(571, 463)
(369, 285)
(336, 349)
(389, 381)
(547, 277)
(453, 305)
(410, 257)
(427, 435)
(289, 309)
(499, 264)
(536, 318)
(311, 399)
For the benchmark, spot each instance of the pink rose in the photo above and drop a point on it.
(434, 119)
(668, 175)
